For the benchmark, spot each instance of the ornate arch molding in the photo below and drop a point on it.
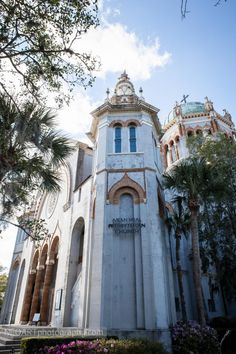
(43, 254)
(35, 260)
(126, 185)
(116, 122)
(69, 184)
(132, 122)
(53, 248)
(126, 123)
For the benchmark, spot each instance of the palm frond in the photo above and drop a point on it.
(31, 151)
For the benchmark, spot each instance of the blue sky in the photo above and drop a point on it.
(164, 54)
(202, 47)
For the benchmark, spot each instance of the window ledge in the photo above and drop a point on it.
(125, 153)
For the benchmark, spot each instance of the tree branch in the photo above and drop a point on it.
(19, 226)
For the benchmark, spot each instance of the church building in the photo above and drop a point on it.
(109, 262)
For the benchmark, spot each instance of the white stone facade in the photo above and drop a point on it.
(109, 263)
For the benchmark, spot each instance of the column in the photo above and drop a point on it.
(214, 125)
(181, 133)
(176, 150)
(169, 156)
(46, 289)
(164, 153)
(28, 297)
(35, 302)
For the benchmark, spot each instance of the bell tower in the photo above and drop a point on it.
(130, 273)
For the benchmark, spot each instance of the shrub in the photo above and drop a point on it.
(191, 338)
(132, 346)
(110, 346)
(76, 346)
(33, 345)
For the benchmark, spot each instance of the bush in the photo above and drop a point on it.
(33, 345)
(191, 338)
(110, 346)
(76, 346)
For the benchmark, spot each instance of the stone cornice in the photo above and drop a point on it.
(108, 107)
(185, 118)
(120, 170)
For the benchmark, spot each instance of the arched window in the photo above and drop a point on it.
(132, 138)
(117, 138)
(199, 132)
(189, 133)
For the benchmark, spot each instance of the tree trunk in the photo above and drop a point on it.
(194, 209)
(180, 277)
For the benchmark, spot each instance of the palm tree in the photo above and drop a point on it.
(31, 151)
(179, 221)
(193, 179)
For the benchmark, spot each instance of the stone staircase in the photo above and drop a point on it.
(9, 342)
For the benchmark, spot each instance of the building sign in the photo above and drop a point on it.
(126, 225)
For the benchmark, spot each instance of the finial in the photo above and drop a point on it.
(208, 105)
(227, 115)
(124, 75)
(108, 93)
(184, 98)
(141, 93)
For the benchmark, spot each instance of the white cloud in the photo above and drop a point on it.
(118, 49)
(76, 119)
(121, 49)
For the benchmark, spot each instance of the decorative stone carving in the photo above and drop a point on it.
(227, 116)
(208, 105)
(126, 185)
(177, 110)
(51, 204)
(16, 262)
(124, 92)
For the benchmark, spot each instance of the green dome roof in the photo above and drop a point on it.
(193, 107)
(187, 109)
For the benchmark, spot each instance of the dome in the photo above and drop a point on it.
(193, 107)
(124, 86)
(188, 108)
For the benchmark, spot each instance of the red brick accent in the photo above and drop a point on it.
(45, 297)
(28, 298)
(35, 301)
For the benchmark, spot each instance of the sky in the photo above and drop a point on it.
(164, 54)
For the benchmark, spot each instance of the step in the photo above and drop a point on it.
(5, 336)
(5, 349)
(8, 341)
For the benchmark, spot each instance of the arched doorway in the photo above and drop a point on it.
(48, 288)
(18, 289)
(73, 299)
(29, 290)
(39, 281)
